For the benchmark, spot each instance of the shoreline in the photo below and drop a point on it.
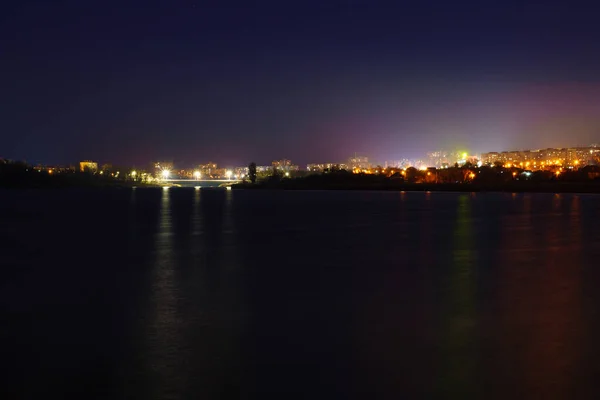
(562, 187)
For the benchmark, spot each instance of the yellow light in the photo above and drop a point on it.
(133, 173)
(228, 174)
(576, 162)
(464, 155)
(165, 173)
(428, 173)
(287, 174)
(471, 175)
(508, 165)
(50, 171)
(514, 174)
(197, 174)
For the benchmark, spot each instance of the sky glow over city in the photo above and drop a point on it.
(130, 82)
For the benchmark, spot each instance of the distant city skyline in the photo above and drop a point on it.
(431, 159)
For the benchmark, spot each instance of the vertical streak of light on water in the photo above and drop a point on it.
(460, 322)
(164, 328)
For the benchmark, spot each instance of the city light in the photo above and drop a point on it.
(472, 175)
(133, 173)
(165, 173)
(228, 174)
(197, 175)
(287, 174)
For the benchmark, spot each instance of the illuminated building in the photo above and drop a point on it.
(87, 165)
(358, 162)
(284, 165)
(438, 158)
(240, 171)
(539, 159)
(281, 164)
(326, 166)
(208, 170)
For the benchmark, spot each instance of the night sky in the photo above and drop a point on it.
(129, 82)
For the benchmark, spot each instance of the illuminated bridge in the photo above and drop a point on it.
(201, 182)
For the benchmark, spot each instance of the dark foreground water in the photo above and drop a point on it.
(189, 294)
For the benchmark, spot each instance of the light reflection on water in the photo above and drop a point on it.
(165, 347)
(215, 293)
(458, 335)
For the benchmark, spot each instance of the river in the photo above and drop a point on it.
(187, 293)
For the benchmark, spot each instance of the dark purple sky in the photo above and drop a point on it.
(129, 82)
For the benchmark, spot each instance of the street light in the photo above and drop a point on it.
(197, 175)
(133, 173)
(287, 174)
(228, 174)
(165, 173)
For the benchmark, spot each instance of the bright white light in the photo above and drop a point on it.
(287, 174)
(133, 173)
(228, 187)
(197, 187)
(228, 174)
(165, 188)
(197, 174)
(165, 173)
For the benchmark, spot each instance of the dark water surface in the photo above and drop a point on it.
(189, 294)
